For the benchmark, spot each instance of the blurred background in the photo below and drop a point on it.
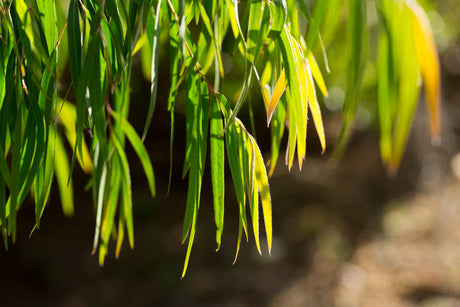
(345, 233)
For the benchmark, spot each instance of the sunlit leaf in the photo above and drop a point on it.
(61, 166)
(154, 70)
(139, 148)
(262, 183)
(217, 168)
(429, 67)
(314, 106)
(357, 40)
(277, 93)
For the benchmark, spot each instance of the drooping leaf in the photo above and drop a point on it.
(428, 61)
(357, 40)
(61, 166)
(408, 88)
(217, 168)
(139, 148)
(314, 106)
(154, 70)
(277, 93)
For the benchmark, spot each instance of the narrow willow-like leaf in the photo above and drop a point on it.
(217, 168)
(327, 17)
(197, 159)
(255, 17)
(278, 15)
(6, 176)
(182, 26)
(245, 155)
(121, 232)
(242, 97)
(73, 37)
(277, 93)
(232, 7)
(100, 204)
(61, 166)
(313, 30)
(316, 72)
(297, 96)
(233, 156)
(357, 40)
(139, 148)
(314, 107)
(408, 88)
(109, 217)
(428, 61)
(126, 194)
(253, 194)
(92, 56)
(238, 243)
(277, 132)
(68, 118)
(210, 32)
(48, 17)
(191, 239)
(43, 182)
(385, 96)
(262, 183)
(244, 166)
(190, 117)
(154, 70)
(293, 18)
(174, 71)
(15, 168)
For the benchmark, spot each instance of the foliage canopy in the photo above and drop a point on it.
(277, 43)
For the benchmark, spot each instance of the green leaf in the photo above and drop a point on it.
(232, 8)
(408, 88)
(242, 97)
(99, 206)
(314, 107)
(253, 194)
(48, 18)
(139, 148)
(74, 39)
(255, 17)
(262, 184)
(277, 132)
(316, 72)
(385, 96)
(61, 166)
(357, 46)
(198, 143)
(154, 71)
(278, 15)
(15, 169)
(296, 96)
(92, 58)
(126, 194)
(109, 216)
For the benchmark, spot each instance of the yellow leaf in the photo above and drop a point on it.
(140, 43)
(264, 191)
(301, 119)
(67, 118)
(314, 107)
(427, 56)
(277, 93)
(316, 72)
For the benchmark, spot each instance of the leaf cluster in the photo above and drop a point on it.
(278, 41)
